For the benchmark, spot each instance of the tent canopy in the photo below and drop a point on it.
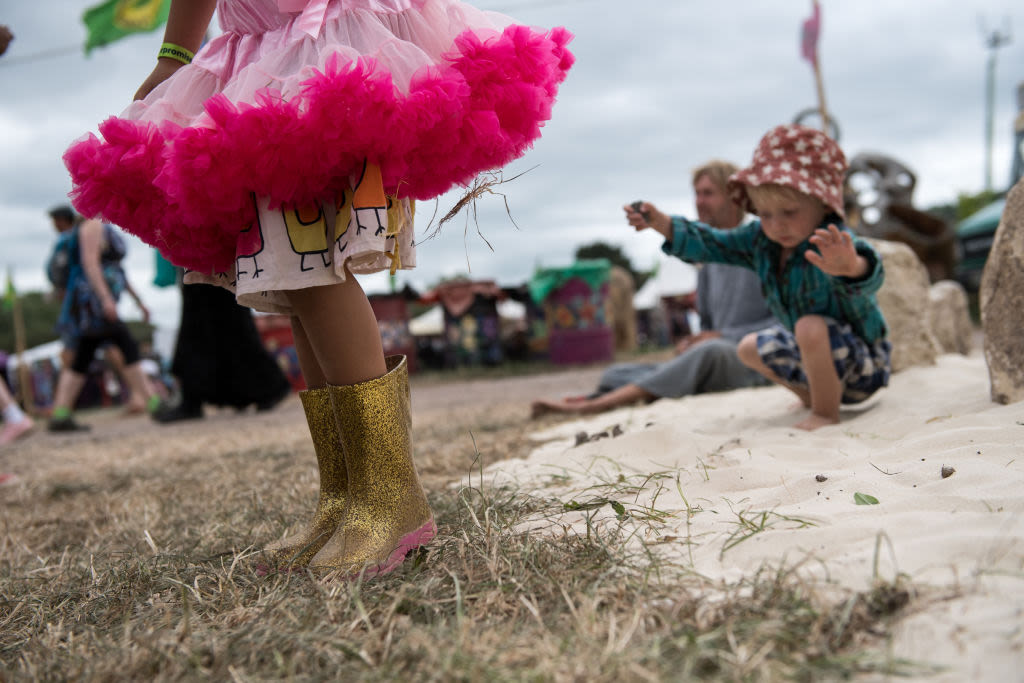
(431, 323)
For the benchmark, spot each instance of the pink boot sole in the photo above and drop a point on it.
(410, 541)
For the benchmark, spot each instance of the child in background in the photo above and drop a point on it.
(285, 158)
(818, 279)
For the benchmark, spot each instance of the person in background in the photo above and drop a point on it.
(5, 38)
(730, 304)
(16, 423)
(58, 269)
(219, 358)
(94, 283)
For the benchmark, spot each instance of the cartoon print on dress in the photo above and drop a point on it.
(370, 200)
(342, 218)
(307, 233)
(250, 245)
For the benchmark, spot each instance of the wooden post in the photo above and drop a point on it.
(819, 84)
(25, 392)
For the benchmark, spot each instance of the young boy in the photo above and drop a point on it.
(818, 279)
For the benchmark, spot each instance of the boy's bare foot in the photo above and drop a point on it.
(813, 421)
(802, 393)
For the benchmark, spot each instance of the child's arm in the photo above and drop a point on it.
(186, 26)
(694, 241)
(137, 299)
(90, 246)
(843, 257)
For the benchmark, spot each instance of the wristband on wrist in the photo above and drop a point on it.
(176, 52)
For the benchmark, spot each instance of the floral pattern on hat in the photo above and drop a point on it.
(799, 157)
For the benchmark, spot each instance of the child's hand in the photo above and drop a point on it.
(647, 215)
(838, 256)
(161, 72)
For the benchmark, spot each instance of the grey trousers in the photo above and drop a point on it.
(710, 366)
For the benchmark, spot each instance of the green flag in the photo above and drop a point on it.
(115, 19)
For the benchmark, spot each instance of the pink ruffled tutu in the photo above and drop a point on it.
(297, 101)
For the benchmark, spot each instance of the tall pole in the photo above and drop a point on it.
(822, 107)
(25, 392)
(993, 41)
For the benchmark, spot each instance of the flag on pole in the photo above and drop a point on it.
(115, 19)
(809, 36)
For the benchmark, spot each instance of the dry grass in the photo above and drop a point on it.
(134, 559)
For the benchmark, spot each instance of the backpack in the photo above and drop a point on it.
(58, 267)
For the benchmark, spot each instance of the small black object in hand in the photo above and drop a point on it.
(636, 207)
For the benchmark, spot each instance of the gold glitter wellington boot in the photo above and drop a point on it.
(386, 513)
(297, 550)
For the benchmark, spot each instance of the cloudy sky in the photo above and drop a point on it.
(659, 86)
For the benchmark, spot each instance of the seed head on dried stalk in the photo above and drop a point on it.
(482, 184)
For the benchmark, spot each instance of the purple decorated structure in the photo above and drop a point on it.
(575, 301)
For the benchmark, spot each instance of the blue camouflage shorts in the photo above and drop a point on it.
(863, 368)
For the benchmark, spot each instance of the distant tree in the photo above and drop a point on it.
(614, 254)
(965, 205)
(40, 313)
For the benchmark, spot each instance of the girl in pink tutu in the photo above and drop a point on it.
(284, 157)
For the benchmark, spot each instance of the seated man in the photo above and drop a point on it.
(730, 304)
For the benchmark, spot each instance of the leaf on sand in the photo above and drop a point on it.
(864, 499)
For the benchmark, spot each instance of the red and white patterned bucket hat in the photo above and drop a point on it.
(799, 157)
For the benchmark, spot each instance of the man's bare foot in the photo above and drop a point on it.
(813, 421)
(572, 404)
(545, 407)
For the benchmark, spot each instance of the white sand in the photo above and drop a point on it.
(959, 539)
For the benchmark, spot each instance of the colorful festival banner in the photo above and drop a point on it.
(115, 19)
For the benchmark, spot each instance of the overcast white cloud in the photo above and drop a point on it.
(659, 86)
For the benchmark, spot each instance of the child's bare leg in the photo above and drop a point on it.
(308, 363)
(747, 352)
(624, 395)
(340, 338)
(825, 387)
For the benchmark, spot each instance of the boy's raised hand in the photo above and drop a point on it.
(838, 257)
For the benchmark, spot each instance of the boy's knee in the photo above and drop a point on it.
(811, 329)
(747, 350)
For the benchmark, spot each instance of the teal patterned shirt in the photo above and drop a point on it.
(799, 288)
